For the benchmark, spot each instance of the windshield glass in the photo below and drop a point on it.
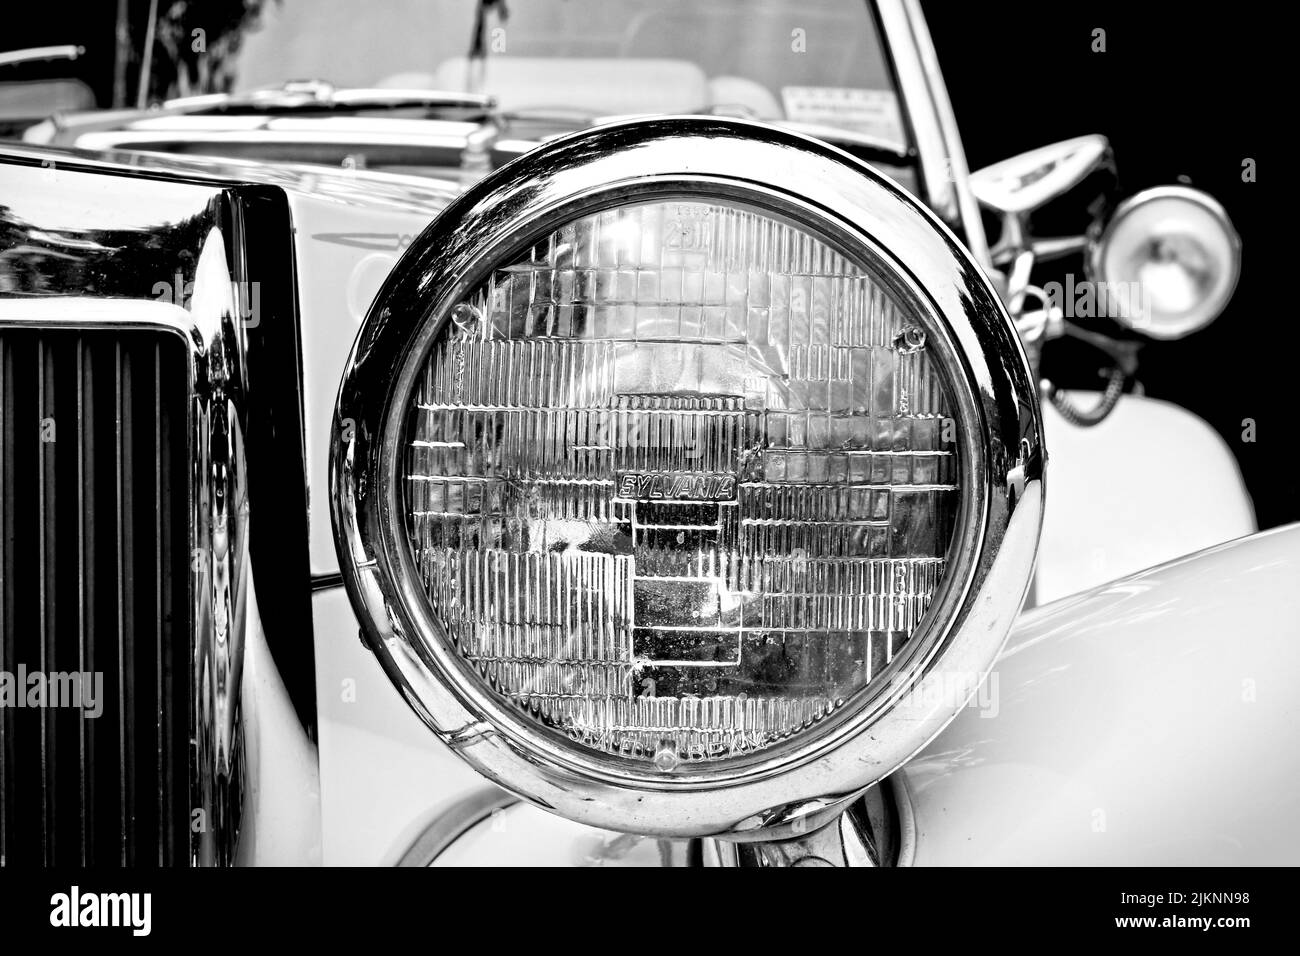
(818, 64)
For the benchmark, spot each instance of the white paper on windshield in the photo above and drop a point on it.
(871, 112)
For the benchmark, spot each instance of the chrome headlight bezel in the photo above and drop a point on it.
(1194, 199)
(919, 261)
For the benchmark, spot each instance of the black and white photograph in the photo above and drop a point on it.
(645, 434)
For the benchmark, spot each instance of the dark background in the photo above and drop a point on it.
(1181, 91)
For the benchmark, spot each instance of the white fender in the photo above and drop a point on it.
(1151, 483)
(384, 775)
(1149, 721)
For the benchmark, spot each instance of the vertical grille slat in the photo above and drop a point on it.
(121, 601)
(125, 586)
(89, 543)
(158, 609)
(45, 554)
(83, 370)
(94, 546)
(6, 625)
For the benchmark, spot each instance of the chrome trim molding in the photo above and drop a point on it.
(326, 582)
(37, 54)
(453, 823)
(865, 834)
(319, 95)
(945, 175)
(875, 830)
(921, 263)
(906, 808)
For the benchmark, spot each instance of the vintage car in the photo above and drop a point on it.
(619, 443)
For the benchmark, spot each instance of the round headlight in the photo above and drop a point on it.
(678, 464)
(1169, 259)
(676, 480)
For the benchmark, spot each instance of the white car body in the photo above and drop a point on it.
(1139, 713)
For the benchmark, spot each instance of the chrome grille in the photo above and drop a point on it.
(94, 580)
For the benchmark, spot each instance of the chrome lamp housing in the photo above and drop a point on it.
(1177, 247)
(992, 412)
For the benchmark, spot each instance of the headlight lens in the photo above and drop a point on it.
(680, 481)
(1170, 260)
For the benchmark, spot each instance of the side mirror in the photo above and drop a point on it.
(1017, 187)
(1021, 184)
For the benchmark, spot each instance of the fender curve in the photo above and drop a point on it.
(1147, 721)
(1102, 523)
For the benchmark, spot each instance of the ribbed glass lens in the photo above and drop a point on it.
(680, 481)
